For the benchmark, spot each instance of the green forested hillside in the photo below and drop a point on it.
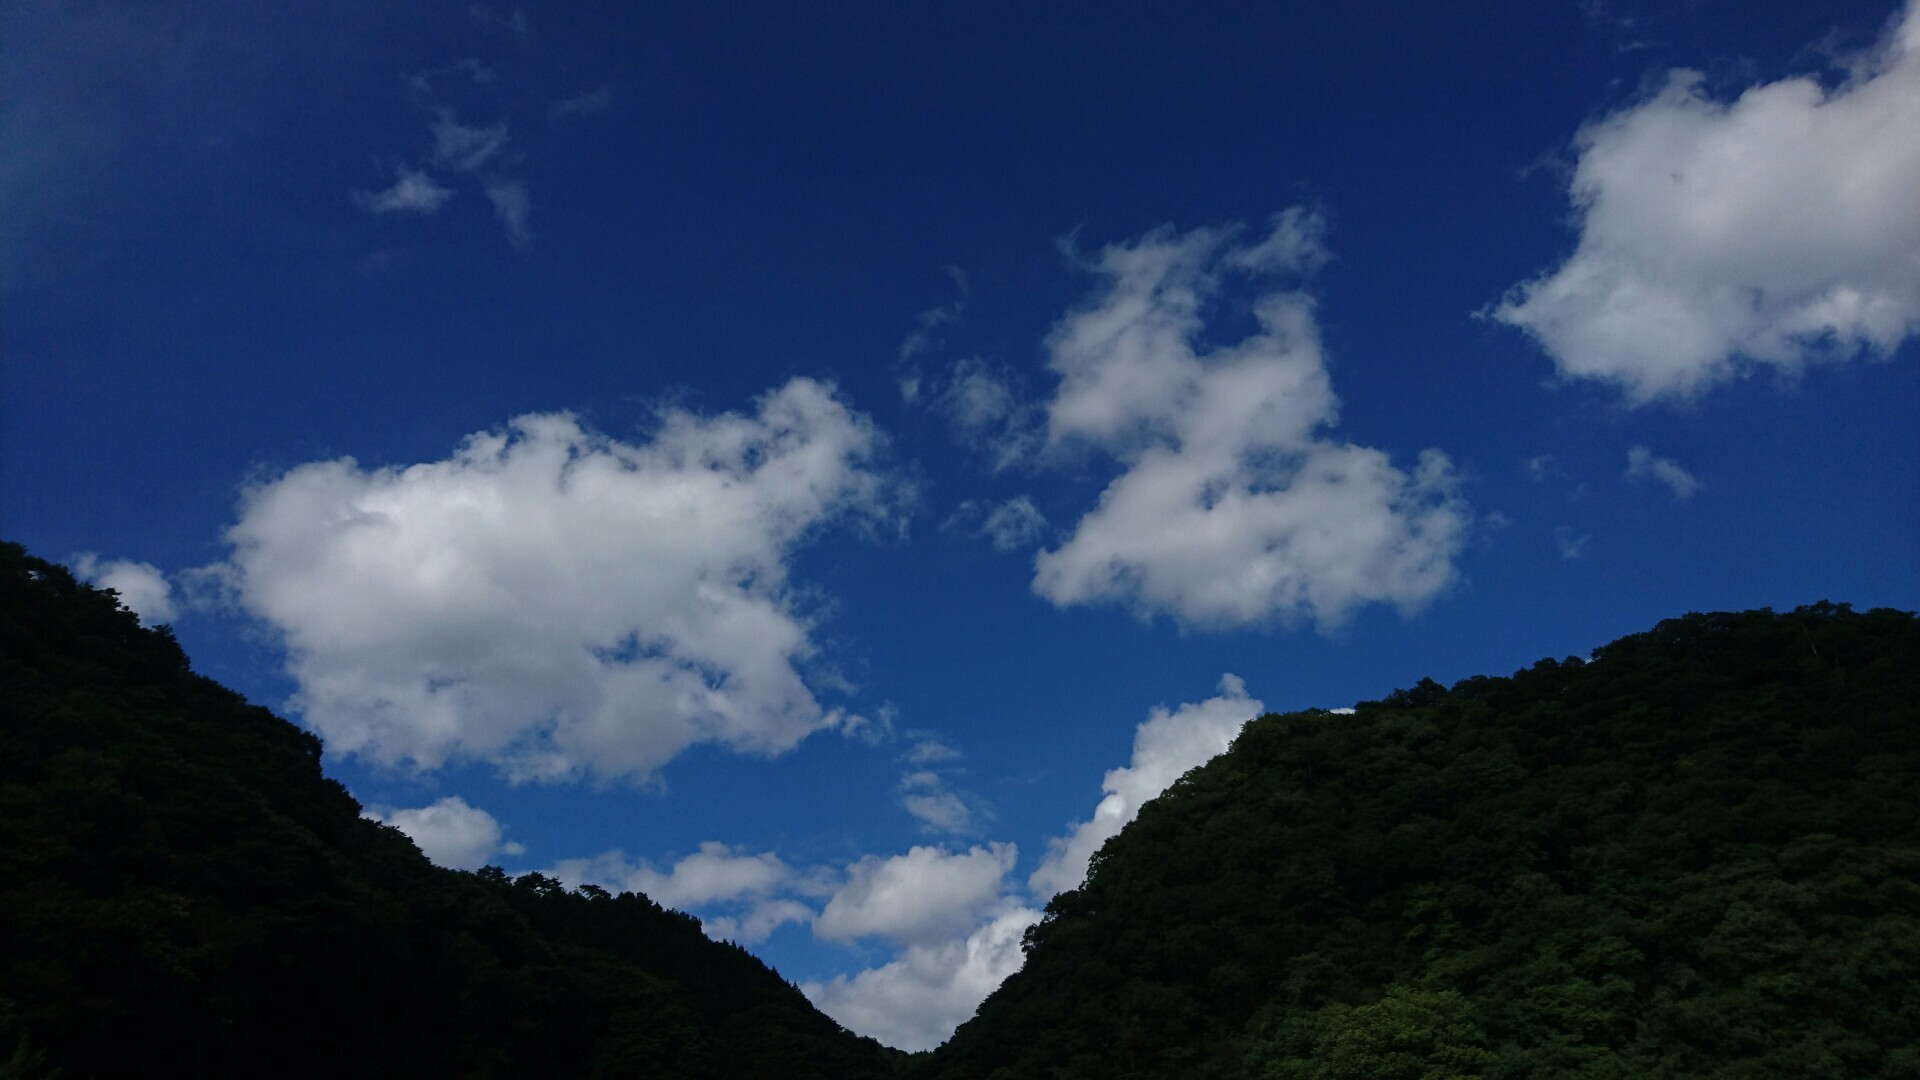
(1697, 854)
(183, 893)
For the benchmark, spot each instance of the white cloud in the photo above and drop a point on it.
(757, 923)
(1164, 747)
(926, 795)
(740, 895)
(463, 148)
(1644, 464)
(593, 101)
(1233, 507)
(1778, 229)
(1573, 545)
(414, 191)
(513, 206)
(555, 601)
(921, 897)
(917, 1000)
(511, 21)
(715, 873)
(926, 335)
(143, 589)
(452, 834)
(1014, 524)
(986, 412)
(927, 749)
(1009, 526)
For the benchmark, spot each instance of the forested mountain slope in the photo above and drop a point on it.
(1697, 854)
(183, 893)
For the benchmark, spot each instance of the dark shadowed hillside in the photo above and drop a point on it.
(183, 893)
(1697, 854)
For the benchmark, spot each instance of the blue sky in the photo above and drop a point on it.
(826, 465)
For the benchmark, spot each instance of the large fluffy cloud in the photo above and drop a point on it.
(1234, 506)
(555, 601)
(916, 1001)
(1165, 746)
(920, 897)
(142, 587)
(1777, 229)
(452, 833)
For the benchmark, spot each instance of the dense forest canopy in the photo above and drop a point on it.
(181, 890)
(1694, 853)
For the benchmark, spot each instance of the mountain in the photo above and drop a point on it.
(183, 892)
(1696, 853)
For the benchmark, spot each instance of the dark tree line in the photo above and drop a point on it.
(182, 892)
(1696, 855)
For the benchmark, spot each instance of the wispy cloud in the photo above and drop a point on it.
(1571, 544)
(509, 21)
(1643, 464)
(1008, 526)
(593, 101)
(514, 207)
(463, 147)
(412, 192)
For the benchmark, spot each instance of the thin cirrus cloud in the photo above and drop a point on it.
(556, 602)
(1717, 238)
(1234, 506)
(1643, 465)
(413, 192)
(1008, 526)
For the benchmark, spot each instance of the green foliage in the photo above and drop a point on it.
(183, 891)
(1697, 854)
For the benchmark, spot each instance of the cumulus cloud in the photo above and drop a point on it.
(452, 834)
(740, 895)
(142, 587)
(1718, 237)
(921, 897)
(555, 601)
(414, 192)
(1165, 746)
(918, 999)
(757, 923)
(1643, 464)
(1233, 506)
